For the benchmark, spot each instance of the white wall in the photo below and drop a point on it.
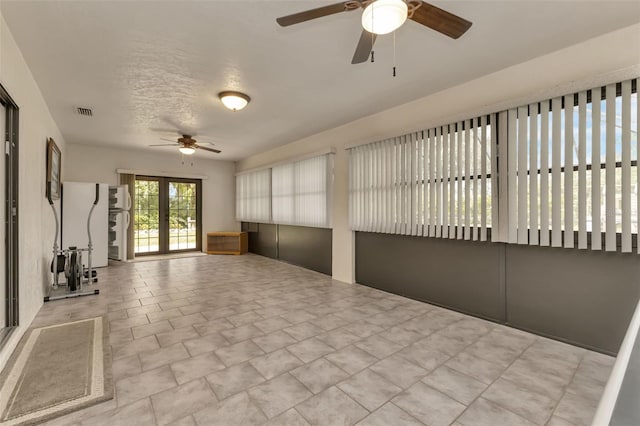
(36, 224)
(607, 58)
(86, 163)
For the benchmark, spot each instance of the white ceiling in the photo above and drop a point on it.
(143, 65)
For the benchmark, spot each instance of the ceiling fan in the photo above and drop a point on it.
(384, 16)
(187, 145)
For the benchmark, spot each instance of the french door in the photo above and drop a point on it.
(168, 215)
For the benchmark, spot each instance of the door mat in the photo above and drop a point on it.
(55, 370)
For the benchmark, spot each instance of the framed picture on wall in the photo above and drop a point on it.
(54, 161)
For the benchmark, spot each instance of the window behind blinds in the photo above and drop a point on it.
(253, 196)
(574, 171)
(436, 182)
(296, 193)
(301, 192)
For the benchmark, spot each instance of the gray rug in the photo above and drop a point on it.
(56, 370)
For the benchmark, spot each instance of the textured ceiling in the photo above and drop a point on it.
(144, 65)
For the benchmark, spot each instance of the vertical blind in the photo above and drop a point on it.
(562, 172)
(296, 193)
(574, 159)
(253, 196)
(301, 192)
(435, 182)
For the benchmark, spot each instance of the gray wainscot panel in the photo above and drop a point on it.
(462, 275)
(262, 239)
(306, 247)
(581, 296)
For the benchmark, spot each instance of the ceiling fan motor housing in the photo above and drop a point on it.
(186, 140)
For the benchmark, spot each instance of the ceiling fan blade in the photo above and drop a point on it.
(217, 151)
(363, 49)
(164, 144)
(169, 140)
(203, 138)
(441, 20)
(308, 15)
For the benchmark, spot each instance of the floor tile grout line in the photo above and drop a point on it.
(555, 401)
(119, 407)
(324, 390)
(495, 380)
(564, 390)
(153, 410)
(405, 411)
(255, 404)
(444, 363)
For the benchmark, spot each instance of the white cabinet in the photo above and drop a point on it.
(119, 221)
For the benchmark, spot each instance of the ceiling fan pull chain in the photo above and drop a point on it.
(373, 38)
(394, 53)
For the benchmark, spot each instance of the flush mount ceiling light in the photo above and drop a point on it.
(235, 101)
(186, 150)
(384, 16)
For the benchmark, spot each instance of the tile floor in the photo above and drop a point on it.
(246, 340)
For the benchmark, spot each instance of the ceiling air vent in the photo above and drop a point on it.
(87, 112)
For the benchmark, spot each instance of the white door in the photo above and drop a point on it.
(3, 264)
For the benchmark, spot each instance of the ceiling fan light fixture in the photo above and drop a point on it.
(235, 101)
(384, 16)
(186, 150)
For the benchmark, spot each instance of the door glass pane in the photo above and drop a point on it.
(147, 215)
(182, 217)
